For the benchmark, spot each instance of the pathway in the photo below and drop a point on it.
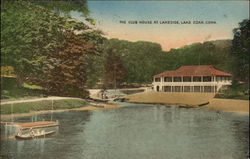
(34, 100)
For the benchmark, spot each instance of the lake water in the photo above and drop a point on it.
(137, 131)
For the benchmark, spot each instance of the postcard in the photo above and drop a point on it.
(125, 79)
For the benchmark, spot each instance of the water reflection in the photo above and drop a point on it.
(138, 131)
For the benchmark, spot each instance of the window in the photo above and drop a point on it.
(207, 88)
(177, 79)
(197, 79)
(187, 89)
(207, 79)
(177, 88)
(186, 79)
(167, 88)
(167, 79)
(157, 79)
(197, 89)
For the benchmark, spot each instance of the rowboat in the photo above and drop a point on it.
(32, 134)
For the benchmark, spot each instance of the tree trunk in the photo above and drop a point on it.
(19, 79)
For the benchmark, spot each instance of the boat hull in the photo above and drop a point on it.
(27, 137)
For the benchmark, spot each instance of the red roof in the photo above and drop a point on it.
(194, 70)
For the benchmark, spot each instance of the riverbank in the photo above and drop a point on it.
(192, 100)
(7, 117)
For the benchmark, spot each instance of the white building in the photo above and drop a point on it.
(193, 78)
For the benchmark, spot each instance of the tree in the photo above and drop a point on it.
(114, 70)
(140, 59)
(46, 48)
(64, 70)
(240, 51)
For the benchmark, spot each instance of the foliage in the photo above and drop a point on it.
(240, 51)
(7, 71)
(65, 6)
(10, 89)
(67, 67)
(208, 53)
(142, 60)
(95, 69)
(236, 91)
(28, 33)
(114, 69)
(46, 48)
(42, 105)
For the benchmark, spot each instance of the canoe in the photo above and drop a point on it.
(34, 135)
(203, 104)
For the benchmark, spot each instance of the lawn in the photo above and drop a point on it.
(10, 89)
(41, 105)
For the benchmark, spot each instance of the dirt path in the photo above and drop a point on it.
(35, 99)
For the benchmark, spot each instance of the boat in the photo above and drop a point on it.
(32, 134)
(203, 104)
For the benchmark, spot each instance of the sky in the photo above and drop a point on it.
(226, 15)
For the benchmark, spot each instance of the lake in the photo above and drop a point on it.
(136, 131)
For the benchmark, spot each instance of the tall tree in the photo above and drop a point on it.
(114, 70)
(46, 48)
(28, 33)
(240, 51)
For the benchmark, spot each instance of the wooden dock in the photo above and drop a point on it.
(38, 124)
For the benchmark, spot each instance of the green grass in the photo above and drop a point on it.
(10, 89)
(236, 91)
(31, 86)
(42, 105)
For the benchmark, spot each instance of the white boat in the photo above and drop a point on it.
(33, 134)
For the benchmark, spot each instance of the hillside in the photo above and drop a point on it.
(215, 53)
(222, 43)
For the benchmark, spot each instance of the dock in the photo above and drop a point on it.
(38, 124)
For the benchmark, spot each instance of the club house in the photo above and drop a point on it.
(192, 78)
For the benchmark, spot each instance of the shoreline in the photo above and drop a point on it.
(191, 100)
(207, 107)
(83, 108)
(181, 100)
